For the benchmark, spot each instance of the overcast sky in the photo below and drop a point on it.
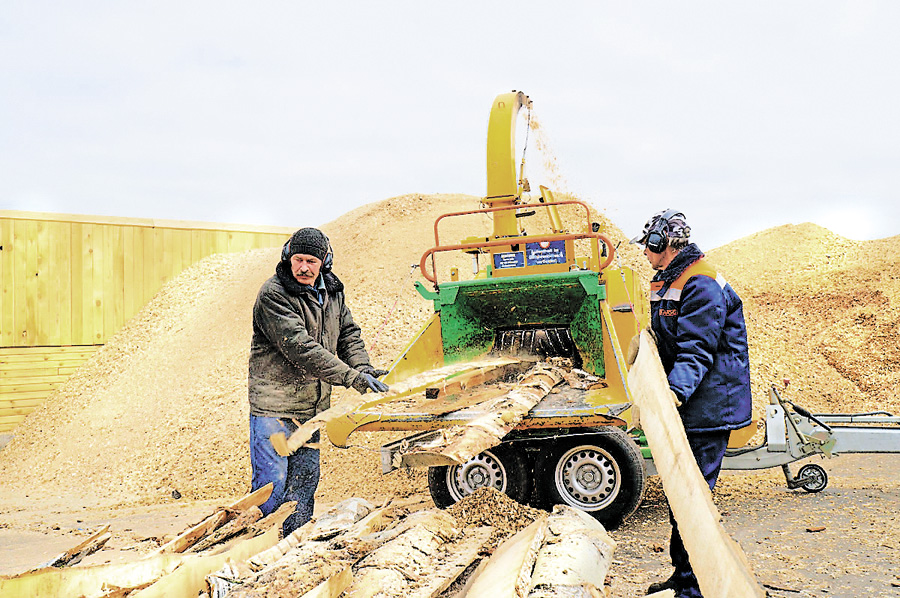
(745, 115)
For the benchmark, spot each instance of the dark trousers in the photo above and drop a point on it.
(709, 450)
(293, 478)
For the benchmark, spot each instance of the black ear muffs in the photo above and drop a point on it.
(327, 262)
(658, 237)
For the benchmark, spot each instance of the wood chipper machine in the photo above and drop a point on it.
(533, 300)
(518, 380)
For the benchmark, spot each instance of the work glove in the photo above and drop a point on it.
(366, 382)
(635, 344)
(372, 371)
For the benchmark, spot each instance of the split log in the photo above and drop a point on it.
(230, 529)
(190, 578)
(399, 566)
(340, 516)
(507, 573)
(443, 382)
(89, 582)
(458, 444)
(334, 586)
(454, 560)
(718, 561)
(187, 539)
(193, 535)
(75, 554)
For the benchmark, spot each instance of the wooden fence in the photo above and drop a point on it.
(70, 282)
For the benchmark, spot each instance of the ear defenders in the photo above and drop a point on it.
(658, 236)
(327, 262)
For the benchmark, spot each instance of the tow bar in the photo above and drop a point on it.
(793, 434)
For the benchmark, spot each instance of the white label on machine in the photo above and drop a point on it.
(511, 259)
(546, 252)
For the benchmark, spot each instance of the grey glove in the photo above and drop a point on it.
(372, 371)
(365, 382)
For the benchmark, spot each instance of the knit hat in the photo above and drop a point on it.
(308, 241)
(674, 227)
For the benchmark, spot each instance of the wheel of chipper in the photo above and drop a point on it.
(499, 468)
(602, 474)
(814, 476)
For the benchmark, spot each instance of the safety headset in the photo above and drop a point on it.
(327, 262)
(658, 235)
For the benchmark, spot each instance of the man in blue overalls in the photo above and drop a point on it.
(698, 321)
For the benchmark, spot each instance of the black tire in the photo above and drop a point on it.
(600, 473)
(502, 468)
(815, 477)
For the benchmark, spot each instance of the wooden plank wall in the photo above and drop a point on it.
(69, 282)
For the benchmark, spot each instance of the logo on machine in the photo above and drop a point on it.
(545, 252)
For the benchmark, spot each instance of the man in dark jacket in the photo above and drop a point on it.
(698, 322)
(304, 342)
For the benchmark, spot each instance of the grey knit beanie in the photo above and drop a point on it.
(308, 241)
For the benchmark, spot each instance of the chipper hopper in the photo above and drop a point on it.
(517, 381)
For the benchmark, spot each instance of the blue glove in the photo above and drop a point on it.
(366, 382)
(372, 371)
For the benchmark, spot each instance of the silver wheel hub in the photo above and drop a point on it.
(483, 470)
(588, 478)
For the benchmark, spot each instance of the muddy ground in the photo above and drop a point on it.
(841, 542)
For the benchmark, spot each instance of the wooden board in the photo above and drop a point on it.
(718, 561)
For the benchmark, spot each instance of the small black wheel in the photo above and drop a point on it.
(813, 477)
(501, 467)
(601, 474)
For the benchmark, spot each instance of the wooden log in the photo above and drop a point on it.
(575, 557)
(340, 516)
(89, 582)
(187, 539)
(718, 561)
(190, 578)
(75, 554)
(193, 535)
(448, 380)
(507, 574)
(399, 566)
(458, 444)
(334, 586)
(456, 558)
(230, 529)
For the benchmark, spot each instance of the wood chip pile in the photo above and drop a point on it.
(163, 408)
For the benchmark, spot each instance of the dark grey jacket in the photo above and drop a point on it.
(300, 348)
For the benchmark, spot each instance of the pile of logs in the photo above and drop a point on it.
(354, 549)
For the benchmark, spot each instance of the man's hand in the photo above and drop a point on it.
(372, 371)
(366, 382)
(634, 346)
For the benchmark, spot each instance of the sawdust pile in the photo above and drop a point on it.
(490, 507)
(162, 407)
(823, 312)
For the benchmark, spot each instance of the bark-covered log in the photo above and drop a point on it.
(501, 414)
